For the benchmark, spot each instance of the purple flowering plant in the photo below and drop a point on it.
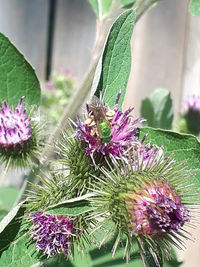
(100, 188)
(189, 119)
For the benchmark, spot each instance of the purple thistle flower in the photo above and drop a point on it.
(190, 120)
(14, 126)
(123, 130)
(52, 233)
(192, 103)
(156, 208)
(149, 199)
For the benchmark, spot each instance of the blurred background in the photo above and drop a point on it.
(57, 36)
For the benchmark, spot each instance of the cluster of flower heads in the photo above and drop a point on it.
(52, 233)
(146, 178)
(15, 127)
(109, 132)
(143, 192)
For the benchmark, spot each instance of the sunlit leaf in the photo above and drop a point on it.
(17, 77)
(114, 66)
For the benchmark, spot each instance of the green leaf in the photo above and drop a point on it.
(104, 8)
(17, 77)
(94, 5)
(2, 213)
(72, 201)
(127, 3)
(71, 210)
(9, 217)
(16, 250)
(102, 258)
(157, 109)
(114, 66)
(8, 196)
(183, 146)
(194, 7)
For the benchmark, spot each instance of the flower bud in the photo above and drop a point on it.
(76, 168)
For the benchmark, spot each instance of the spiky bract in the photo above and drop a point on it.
(76, 167)
(150, 203)
(50, 191)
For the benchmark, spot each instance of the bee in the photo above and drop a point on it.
(103, 125)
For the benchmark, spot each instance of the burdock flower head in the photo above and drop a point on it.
(106, 131)
(52, 234)
(17, 134)
(149, 200)
(192, 103)
(190, 119)
(156, 208)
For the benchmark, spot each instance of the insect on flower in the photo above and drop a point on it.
(107, 131)
(101, 120)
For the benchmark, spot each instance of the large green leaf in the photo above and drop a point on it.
(114, 66)
(2, 213)
(104, 8)
(194, 7)
(72, 209)
(8, 196)
(15, 247)
(17, 77)
(157, 109)
(103, 258)
(184, 147)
